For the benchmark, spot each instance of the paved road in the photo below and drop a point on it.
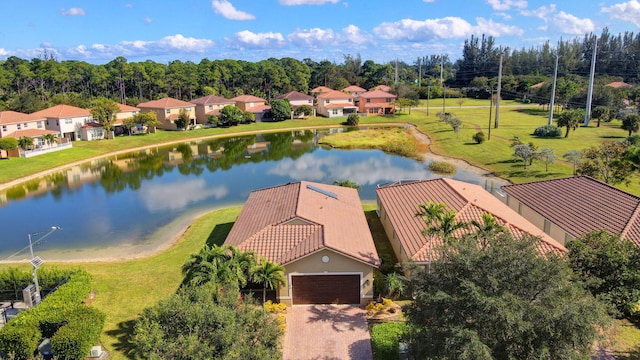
(327, 332)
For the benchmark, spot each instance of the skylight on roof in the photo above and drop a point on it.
(324, 192)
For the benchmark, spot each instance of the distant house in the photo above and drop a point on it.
(376, 102)
(355, 91)
(382, 87)
(335, 104)
(168, 110)
(619, 85)
(320, 90)
(398, 205)
(210, 105)
(297, 99)
(16, 125)
(320, 235)
(255, 105)
(572, 207)
(126, 112)
(66, 120)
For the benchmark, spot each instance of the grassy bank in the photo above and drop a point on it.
(396, 141)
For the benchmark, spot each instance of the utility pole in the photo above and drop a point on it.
(420, 73)
(396, 82)
(587, 116)
(428, 97)
(553, 91)
(490, 114)
(444, 93)
(498, 92)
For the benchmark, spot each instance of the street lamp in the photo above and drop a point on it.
(36, 261)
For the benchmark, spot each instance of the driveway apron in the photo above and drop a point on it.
(327, 332)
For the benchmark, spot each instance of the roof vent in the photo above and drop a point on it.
(323, 192)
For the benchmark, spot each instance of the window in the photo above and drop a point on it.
(168, 111)
(334, 111)
(26, 125)
(388, 100)
(310, 101)
(188, 109)
(47, 122)
(368, 100)
(40, 142)
(326, 101)
(4, 127)
(19, 126)
(210, 107)
(251, 104)
(68, 121)
(39, 124)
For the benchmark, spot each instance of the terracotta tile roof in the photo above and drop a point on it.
(469, 201)
(165, 103)
(335, 94)
(538, 85)
(321, 89)
(378, 105)
(124, 107)
(93, 125)
(382, 87)
(212, 100)
(62, 111)
(353, 88)
(258, 108)
(377, 94)
(294, 95)
(248, 98)
(287, 222)
(32, 133)
(339, 106)
(619, 85)
(582, 204)
(13, 117)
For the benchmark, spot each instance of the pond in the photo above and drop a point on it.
(134, 204)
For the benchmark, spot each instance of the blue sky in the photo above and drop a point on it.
(97, 31)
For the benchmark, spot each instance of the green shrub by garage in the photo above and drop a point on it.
(19, 341)
(75, 339)
(385, 339)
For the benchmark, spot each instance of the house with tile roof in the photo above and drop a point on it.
(320, 235)
(354, 90)
(210, 105)
(16, 125)
(127, 112)
(376, 102)
(572, 207)
(67, 121)
(319, 90)
(398, 204)
(297, 99)
(167, 110)
(382, 87)
(619, 85)
(253, 104)
(335, 104)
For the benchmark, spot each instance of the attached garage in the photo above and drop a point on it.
(325, 289)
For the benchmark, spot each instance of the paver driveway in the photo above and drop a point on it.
(327, 332)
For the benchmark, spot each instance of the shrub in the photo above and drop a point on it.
(547, 131)
(385, 340)
(75, 339)
(19, 341)
(275, 308)
(441, 167)
(374, 307)
(353, 120)
(478, 137)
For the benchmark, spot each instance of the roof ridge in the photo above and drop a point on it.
(578, 177)
(634, 217)
(294, 248)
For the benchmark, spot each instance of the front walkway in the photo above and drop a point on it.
(327, 332)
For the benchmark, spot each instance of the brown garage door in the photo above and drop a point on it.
(326, 289)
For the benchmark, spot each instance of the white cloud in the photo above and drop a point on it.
(429, 1)
(312, 38)
(570, 24)
(628, 11)
(354, 35)
(161, 196)
(147, 20)
(267, 40)
(492, 28)
(226, 9)
(73, 12)
(542, 12)
(414, 30)
(4, 52)
(502, 5)
(306, 2)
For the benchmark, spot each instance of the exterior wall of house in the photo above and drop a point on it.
(401, 255)
(383, 102)
(163, 116)
(92, 133)
(125, 115)
(338, 265)
(69, 128)
(6, 129)
(553, 230)
(329, 112)
(202, 110)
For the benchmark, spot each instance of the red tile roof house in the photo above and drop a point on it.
(16, 125)
(335, 104)
(68, 121)
(572, 207)
(377, 102)
(398, 204)
(382, 87)
(127, 112)
(355, 91)
(254, 104)
(320, 235)
(168, 110)
(210, 105)
(297, 99)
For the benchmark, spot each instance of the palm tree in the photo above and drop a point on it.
(25, 142)
(202, 265)
(570, 119)
(50, 138)
(432, 214)
(241, 264)
(487, 229)
(395, 284)
(270, 275)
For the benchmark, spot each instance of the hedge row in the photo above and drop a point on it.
(62, 309)
(13, 280)
(385, 340)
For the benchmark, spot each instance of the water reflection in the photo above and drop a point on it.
(133, 202)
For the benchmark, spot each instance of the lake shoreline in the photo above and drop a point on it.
(168, 236)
